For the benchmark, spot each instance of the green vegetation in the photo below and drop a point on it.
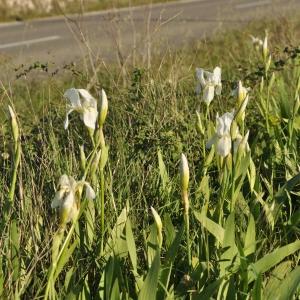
(223, 224)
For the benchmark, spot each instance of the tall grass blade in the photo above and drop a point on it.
(115, 243)
(272, 259)
(215, 229)
(15, 249)
(250, 241)
(228, 243)
(148, 291)
(163, 171)
(64, 258)
(290, 285)
(209, 291)
(131, 245)
(257, 289)
(276, 277)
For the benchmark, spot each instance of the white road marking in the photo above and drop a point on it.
(29, 42)
(252, 4)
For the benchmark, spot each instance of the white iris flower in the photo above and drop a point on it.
(257, 42)
(209, 82)
(65, 197)
(85, 104)
(222, 137)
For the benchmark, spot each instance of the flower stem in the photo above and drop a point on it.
(102, 184)
(17, 159)
(57, 255)
(187, 224)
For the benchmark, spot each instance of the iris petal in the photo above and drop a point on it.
(211, 141)
(224, 146)
(218, 89)
(66, 122)
(89, 192)
(208, 93)
(87, 97)
(200, 76)
(56, 202)
(217, 75)
(73, 96)
(90, 117)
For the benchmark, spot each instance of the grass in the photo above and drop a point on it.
(239, 237)
(71, 8)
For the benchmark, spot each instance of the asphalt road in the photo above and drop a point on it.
(125, 33)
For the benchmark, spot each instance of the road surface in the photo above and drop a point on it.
(125, 33)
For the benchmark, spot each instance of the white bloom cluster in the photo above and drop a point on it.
(85, 104)
(223, 139)
(209, 82)
(65, 197)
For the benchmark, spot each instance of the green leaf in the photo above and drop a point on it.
(289, 285)
(163, 171)
(109, 276)
(68, 278)
(1, 277)
(270, 260)
(228, 242)
(169, 230)
(166, 269)
(242, 166)
(209, 291)
(149, 288)
(85, 292)
(257, 289)
(204, 189)
(268, 209)
(297, 123)
(231, 291)
(173, 249)
(15, 249)
(131, 244)
(251, 174)
(152, 244)
(287, 187)
(276, 277)
(250, 241)
(215, 229)
(104, 157)
(115, 292)
(295, 218)
(116, 243)
(132, 252)
(240, 176)
(67, 253)
(89, 214)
